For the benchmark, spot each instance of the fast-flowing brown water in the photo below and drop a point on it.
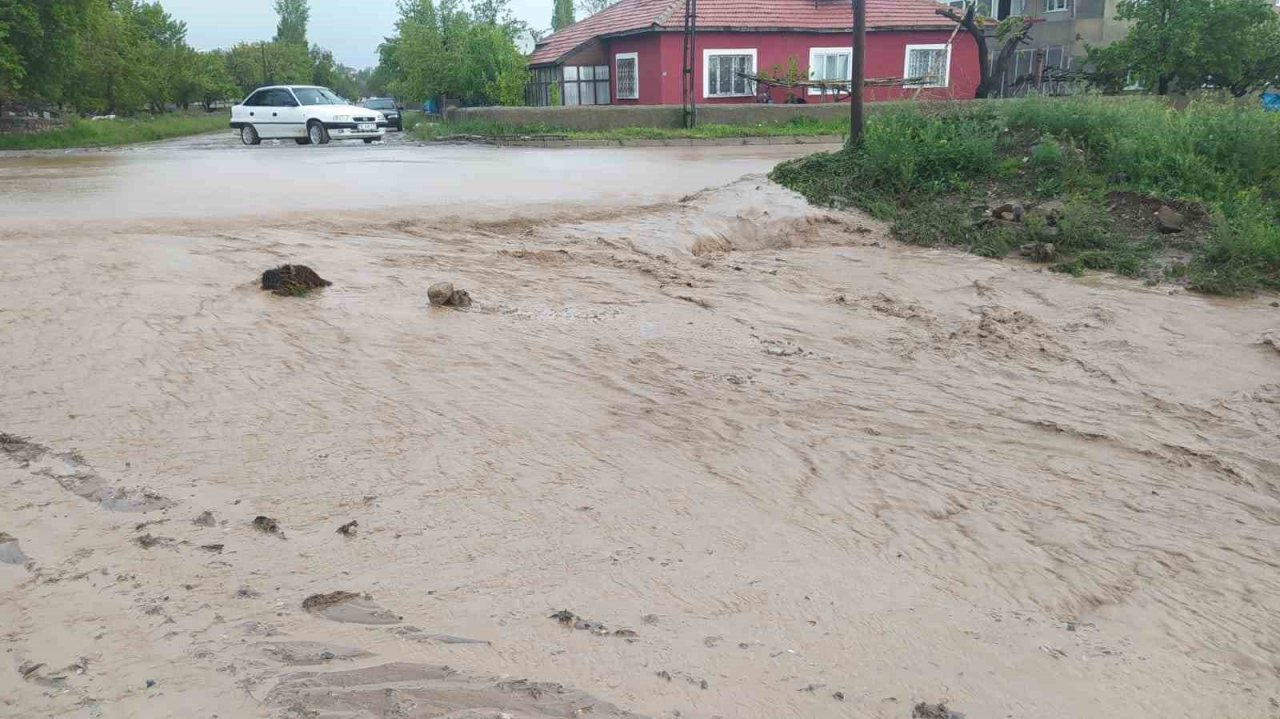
(813, 473)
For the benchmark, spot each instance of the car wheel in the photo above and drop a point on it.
(249, 135)
(368, 140)
(302, 140)
(316, 134)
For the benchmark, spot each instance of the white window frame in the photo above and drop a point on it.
(617, 76)
(946, 63)
(814, 52)
(1055, 5)
(718, 52)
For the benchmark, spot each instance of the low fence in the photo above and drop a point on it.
(613, 117)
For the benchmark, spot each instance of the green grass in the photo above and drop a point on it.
(925, 171)
(796, 127)
(102, 133)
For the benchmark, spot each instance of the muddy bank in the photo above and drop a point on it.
(809, 472)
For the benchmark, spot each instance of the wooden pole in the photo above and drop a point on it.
(858, 62)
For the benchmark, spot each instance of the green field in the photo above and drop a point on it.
(104, 133)
(1106, 166)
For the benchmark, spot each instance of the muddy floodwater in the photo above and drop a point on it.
(695, 450)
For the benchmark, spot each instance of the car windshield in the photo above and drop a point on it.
(316, 96)
(380, 105)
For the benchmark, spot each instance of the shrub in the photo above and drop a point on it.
(915, 168)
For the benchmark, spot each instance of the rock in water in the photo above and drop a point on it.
(1169, 220)
(292, 280)
(440, 293)
(460, 299)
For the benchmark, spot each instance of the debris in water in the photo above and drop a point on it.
(266, 524)
(147, 541)
(151, 683)
(932, 711)
(215, 548)
(569, 619)
(350, 608)
(349, 529)
(443, 294)
(649, 619)
(838, 696)
(205, 519)
(292, 280)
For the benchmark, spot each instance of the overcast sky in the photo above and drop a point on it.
(351, 30)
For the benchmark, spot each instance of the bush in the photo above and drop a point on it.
(916, 169)
(102, 133)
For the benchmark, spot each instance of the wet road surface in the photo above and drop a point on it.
(215, 176)
(776, 465)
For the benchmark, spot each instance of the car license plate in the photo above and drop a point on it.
(367, 127)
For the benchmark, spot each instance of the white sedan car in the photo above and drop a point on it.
(308, 115)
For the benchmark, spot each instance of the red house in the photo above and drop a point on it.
(633, 52)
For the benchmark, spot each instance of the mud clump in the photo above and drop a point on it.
(443, 294)
(292, 280)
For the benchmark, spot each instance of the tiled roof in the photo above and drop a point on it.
(628, 16)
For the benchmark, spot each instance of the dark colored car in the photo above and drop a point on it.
(389, 107)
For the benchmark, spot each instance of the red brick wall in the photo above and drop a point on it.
(661, 55)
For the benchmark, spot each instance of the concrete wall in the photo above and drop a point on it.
(609, 117)
(28, 125)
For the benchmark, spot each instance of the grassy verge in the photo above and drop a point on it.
(1089, 173)
(796, 127)
(102, 133)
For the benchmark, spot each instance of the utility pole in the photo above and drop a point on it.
(689, 77)
(858, 61)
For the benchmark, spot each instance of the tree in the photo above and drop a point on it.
(591, 7)
(292, 28)
(464, 52)
(562, 14)
(38, 41)
(252, 65)
(1011, 33)
(1182, 45)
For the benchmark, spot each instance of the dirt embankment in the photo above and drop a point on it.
(724, 457)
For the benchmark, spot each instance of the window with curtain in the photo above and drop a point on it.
(832, 64)
(926, 66)
(724, 69)
(586, 85)
(628, 75)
